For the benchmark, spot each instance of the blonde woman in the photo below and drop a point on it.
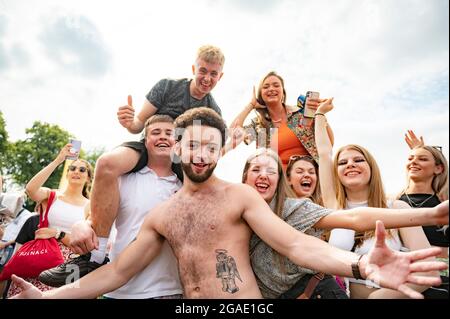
(427, 186)
(277, 275)
(279, 126)
(70, 205)
(353, 180)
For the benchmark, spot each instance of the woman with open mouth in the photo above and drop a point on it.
(353, 180)
(276, 275)
(278, 125)
(302, 175)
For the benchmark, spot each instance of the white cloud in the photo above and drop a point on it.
(385, 62)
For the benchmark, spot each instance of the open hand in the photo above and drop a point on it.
(325, 106)
(28, 290)
(394, 270)
(125, 114)
(412, 140)
(255, 102)
(237, 136)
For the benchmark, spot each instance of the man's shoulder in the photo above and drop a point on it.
(213, 105)
(173, 83)
(168, 203)
(158, 212)
(240, 189)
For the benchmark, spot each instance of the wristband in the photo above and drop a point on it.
(319, 114)
(61, 236)
(355, 268)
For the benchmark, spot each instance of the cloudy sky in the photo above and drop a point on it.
(73, 63)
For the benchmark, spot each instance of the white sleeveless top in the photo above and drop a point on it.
(345, 239)
(63, 215)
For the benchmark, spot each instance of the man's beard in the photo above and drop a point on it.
(196, 178)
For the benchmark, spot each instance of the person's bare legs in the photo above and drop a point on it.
(105, 193)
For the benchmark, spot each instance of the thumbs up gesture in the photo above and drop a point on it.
(125, 114)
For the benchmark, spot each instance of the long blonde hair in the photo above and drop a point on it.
(376, 196)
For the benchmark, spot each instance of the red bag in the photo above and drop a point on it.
(36, 255)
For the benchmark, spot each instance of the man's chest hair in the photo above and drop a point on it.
(197, 221)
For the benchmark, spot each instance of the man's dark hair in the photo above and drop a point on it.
(157, 118)
(205, 116)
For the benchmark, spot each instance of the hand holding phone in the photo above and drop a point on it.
(309, 112)
(76, 147)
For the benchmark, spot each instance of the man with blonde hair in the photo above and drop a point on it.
(167, 97)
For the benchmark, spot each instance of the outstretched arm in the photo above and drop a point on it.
(364, 218)
(304, 250)
(412, 238)
(388, 268)
(107, 278)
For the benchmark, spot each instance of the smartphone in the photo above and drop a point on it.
(312, 95)
(76, 147)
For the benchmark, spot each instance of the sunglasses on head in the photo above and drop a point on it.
(295, 158)
(439, 148)
(81, 169)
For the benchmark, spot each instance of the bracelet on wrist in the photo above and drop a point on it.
(61, 236)
(355, 268)
(319, 114)
(58, 233)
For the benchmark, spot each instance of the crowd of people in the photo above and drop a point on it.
(302, 224)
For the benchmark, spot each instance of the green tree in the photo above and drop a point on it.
(3, 142)
(92, 155)
(26, 158)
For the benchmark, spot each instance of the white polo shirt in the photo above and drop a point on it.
(139, 193)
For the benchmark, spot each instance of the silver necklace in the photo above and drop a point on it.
(417, 205)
